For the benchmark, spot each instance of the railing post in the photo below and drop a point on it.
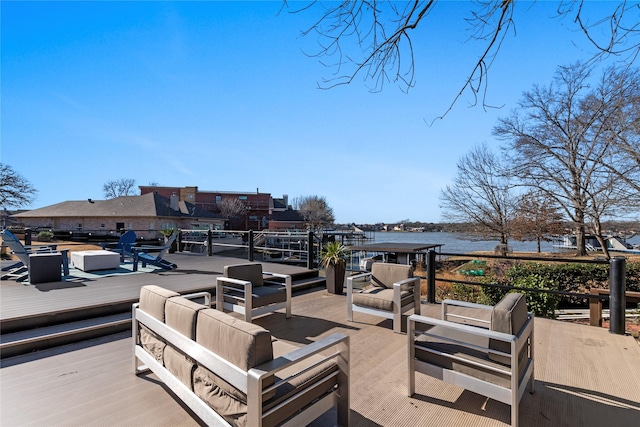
(431, 276)
(250, 245)
(209, 242)
(27, 236)
(617, 300)
(310, 260)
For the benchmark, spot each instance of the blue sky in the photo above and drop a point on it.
(221, 95)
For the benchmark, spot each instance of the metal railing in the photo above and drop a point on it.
(617, 282)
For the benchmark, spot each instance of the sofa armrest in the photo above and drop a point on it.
(408, 283)
(196, 295)
(500, 336)
(256, 376)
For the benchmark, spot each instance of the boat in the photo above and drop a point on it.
(614, 244)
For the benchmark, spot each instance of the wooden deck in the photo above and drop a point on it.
(585, 376)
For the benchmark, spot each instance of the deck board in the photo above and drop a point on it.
(585, 376)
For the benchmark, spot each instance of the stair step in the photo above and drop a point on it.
(50, 336)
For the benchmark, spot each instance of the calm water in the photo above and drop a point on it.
(460, 243)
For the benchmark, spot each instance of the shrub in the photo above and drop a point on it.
(45, 236)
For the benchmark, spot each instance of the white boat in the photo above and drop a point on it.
(614, 244)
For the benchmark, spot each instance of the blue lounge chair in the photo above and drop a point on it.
(20, 270)
(141, 254)
(124, 245)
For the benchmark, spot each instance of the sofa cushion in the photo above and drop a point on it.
(508, 316)
(386, 274)
(251, 272)
(380, 298)
(241, 343)
(181, 315)
(152, 301)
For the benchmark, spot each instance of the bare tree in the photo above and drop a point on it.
(315, 210)
(373, 38)
(559, 144)
(480, 194)
(536, 217)
(15, 190)
(232, 209)
(119, 187)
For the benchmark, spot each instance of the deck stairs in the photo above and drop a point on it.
(36, 333)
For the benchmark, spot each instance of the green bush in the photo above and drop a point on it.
(45, 236)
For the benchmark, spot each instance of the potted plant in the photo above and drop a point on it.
(333, 259)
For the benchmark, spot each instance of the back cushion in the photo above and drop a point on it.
(152, 301)
(250, 272)
(508, 316)
(181, 314)
(245, 345)
(385, 274)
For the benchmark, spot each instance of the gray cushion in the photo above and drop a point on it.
(245, 345)
(467, 355)
(251, 272)
(181, 315)
(152, 301)
(386, 274)
(508, 316)
(260, 296)
(380, 298)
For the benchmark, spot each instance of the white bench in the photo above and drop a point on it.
(95, 260)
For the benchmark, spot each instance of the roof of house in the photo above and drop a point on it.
(288, 215)
(147, 205)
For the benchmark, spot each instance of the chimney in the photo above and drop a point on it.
(174, 202)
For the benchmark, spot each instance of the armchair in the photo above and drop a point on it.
(495, 360)
(242, 289)
(391, 290)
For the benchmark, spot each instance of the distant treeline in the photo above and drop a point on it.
(613, 227)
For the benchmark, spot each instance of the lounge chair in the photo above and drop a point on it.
(390, 291)
(124, 245)
(495, 360)
(20, 270)
(141, 254)
(242, 289)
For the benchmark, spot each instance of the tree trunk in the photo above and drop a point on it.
(335, 278)
(581, 249)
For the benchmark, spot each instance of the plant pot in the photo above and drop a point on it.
(335, 278)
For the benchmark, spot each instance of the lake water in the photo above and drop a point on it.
(461, 243)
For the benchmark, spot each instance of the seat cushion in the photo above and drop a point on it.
(385, 274)
(508, 316)
(251, 272)
(261, 296)
(152, 301)
(466, 355)
(380, 298)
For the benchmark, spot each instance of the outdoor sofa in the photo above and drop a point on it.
(233, 373)
(495, 360)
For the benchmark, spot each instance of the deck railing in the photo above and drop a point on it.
(617, 282)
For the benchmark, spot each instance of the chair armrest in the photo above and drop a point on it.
(408, 283)
(474, 330)
(451, 302)
(350, 279)
(287, 277)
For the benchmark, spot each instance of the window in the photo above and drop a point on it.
(218, 199)
(79, 226)
(152, 226)
(242, 197)
(120, 225)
